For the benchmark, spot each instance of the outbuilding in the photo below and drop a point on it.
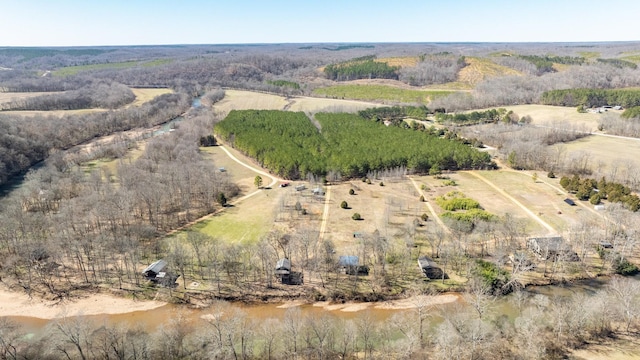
(430, 269)
(552, 247)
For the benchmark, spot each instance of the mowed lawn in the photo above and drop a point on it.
(250, 219)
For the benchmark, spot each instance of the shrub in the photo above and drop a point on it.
(356, 216)
(344, 205)
(221, 199)
(381, 183)
(624, 267)
(424, 217)
(421, 198)
(424, 187)
(304, 212)
(368, 181)
(491, 274)
(551, 175)
(352, 192)
(449, 183)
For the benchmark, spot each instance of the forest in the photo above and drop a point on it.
(346, 143)
(89, 198)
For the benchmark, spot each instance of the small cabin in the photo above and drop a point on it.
(349, 264)
(430, 269)
(552, 247)
(300, 187)
(283, 270)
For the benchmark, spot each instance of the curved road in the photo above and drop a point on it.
(274, 181)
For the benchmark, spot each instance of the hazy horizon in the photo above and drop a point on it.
(70, 23)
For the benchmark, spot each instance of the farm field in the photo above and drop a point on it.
(73, 70)
(10, 96)
(143, 95)
(380, 92)
(610, 154)
(548, 115)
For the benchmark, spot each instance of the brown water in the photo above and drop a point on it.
(150, 320)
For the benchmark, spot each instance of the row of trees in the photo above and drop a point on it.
(593, 190)
(291, 146)
(591, 97)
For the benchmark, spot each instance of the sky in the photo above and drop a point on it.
(158, 22)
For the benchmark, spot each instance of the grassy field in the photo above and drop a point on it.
(249, 220)
(245, 100)
(380, 92)
(11, 96)
(73, 70)
(608, 155)
(589, 54)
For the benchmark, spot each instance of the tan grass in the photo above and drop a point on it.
(407, 61)
(145, 95)
(478, 69)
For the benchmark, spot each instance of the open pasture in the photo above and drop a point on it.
(611, 156)
(547, 115)
(144, 94)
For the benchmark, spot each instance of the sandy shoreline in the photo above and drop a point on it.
(402, 304)
(19, 304)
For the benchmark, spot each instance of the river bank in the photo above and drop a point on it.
(20, 304)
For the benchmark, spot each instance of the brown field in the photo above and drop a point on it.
(144, 95)
(608, 155)
(11, 96)
(546, 114)
(245, 100)
(407, 61)
(478, 69)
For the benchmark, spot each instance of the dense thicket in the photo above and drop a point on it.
(289, 145)
(361, 69)
(619, 63)
(395, 114)
(25, 141)
(592, 97)
(545, 63)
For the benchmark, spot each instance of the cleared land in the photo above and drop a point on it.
(478, 69)
(381, 92)
(142, 96)
(547, 115)
(616, 157)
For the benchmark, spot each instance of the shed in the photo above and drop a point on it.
(552, 247)
(430, 269)
(598, 207)
(153, 271)
(318, 191)
(300, 187)
(570, 202)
